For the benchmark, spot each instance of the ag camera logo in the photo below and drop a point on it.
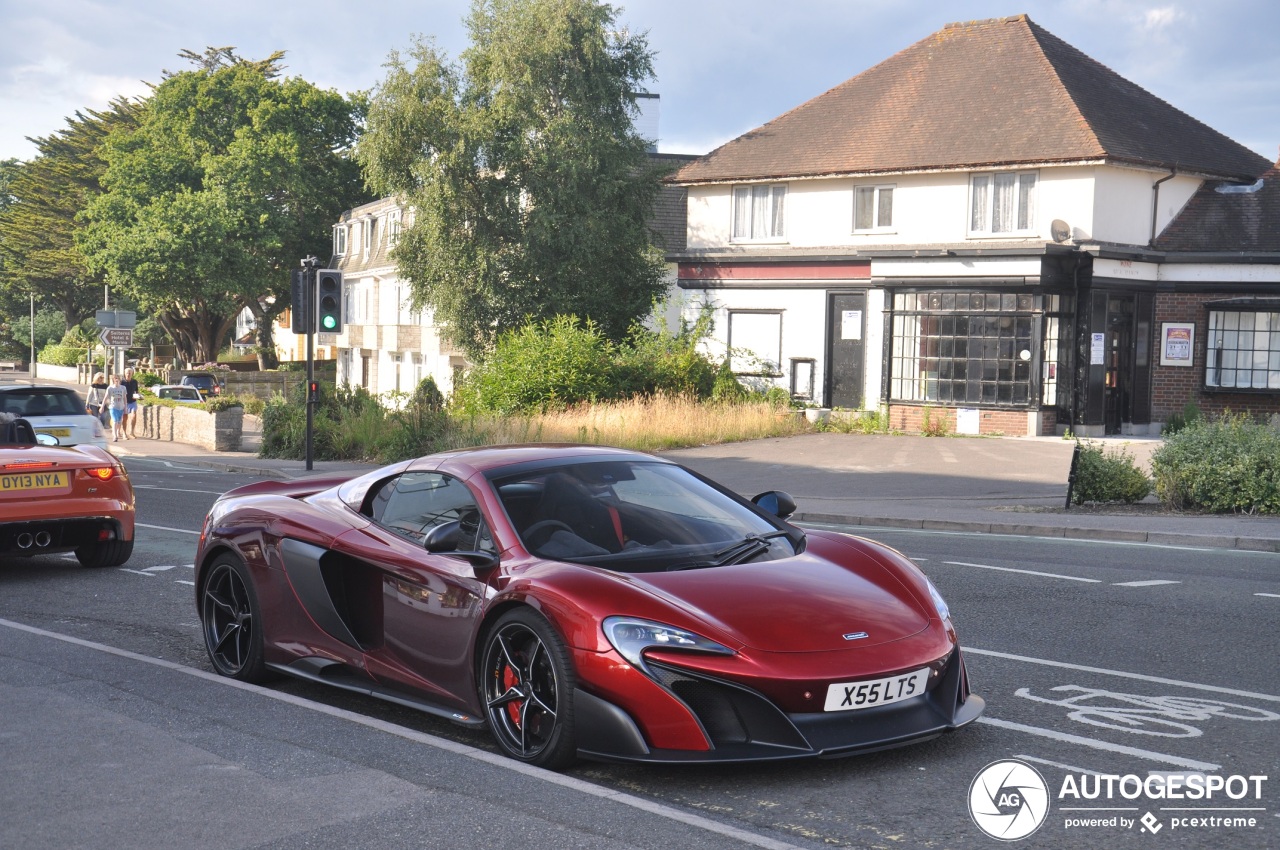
(1008, 800)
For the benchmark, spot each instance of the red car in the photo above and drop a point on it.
(62, 498)
(582, 602)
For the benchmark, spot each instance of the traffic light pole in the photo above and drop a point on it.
(309, 287)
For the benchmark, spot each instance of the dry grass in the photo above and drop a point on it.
(644, 424)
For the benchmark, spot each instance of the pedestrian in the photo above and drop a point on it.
(97, 398)
(116, 403)
(132, 394)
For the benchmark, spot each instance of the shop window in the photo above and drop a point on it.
(966, 348)
(1243, 350)
(755, 342)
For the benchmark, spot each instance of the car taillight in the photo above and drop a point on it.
(102, 473)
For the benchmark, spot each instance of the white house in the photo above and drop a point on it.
(972, 230)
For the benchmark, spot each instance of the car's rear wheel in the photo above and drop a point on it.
(231, 621)
(526, 685)
(111, 554)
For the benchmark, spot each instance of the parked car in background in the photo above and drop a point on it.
(207, 383)
(59, 499)
(56, 411)
(179, 392)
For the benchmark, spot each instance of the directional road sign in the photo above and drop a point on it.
(117, 337)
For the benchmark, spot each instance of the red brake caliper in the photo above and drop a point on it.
(509, 680)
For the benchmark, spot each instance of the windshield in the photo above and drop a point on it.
(637, 516)
(41, 402)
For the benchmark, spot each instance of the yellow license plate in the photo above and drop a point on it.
(32, 481)
(56, 432)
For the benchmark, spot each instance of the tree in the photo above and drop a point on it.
(38, 220)
(232, 176)
(531, 189)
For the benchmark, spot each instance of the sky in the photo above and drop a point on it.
(722, 67)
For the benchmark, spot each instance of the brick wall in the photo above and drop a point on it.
(1173, 386)
(910, 418)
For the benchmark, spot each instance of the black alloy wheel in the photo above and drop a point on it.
(231, 622)
(526, 685)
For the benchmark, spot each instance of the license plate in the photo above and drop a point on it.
(32, 481)
(850, 696)
(55, 432)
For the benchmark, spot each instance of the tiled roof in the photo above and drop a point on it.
(982, 93)
(1242, 219)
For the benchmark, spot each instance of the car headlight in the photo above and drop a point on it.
(938, 602)
(631, 637)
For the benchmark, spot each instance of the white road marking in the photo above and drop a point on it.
(1024, 572)
(167, 528)
(491, 759)
(177, 489)
(1272, 595)
(184, 581)
(1100, 745)
(1067, 767)
(1141, 677)
(1148, 583)
(137, 572)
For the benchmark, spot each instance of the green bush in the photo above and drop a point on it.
(60, 354)
(1231, 464)
(727, 387)
(1189, 415)
(1108, 476)
(542, 366)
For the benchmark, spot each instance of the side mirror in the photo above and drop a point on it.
(444, 540)
(47, 440)
(776, 502)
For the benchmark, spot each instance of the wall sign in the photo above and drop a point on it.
(851, 324)
(1098, 349)
(1177, 343)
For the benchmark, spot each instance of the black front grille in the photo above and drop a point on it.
(729, 714)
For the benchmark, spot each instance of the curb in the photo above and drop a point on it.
(1157, 538)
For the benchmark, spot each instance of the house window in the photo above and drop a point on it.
(393, 228)
(755, 342)
(340, 240)
(1243, 349)
(759, 212)
(964, 348)
(873, 208)
(1003, 202)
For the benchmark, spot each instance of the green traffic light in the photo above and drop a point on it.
(329, 322)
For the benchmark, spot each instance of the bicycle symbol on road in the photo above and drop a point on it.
(1165, 716)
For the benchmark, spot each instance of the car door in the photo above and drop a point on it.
(430, 601)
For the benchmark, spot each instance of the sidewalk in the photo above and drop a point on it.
(996, 485)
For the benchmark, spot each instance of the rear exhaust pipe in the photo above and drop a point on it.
(24, 540)
(43, 539)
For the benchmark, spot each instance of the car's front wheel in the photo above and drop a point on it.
(231, 621)
(111, 554)
(526, 684)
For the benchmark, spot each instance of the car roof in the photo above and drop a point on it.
(41, 388)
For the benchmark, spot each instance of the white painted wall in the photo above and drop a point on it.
(1098, 202)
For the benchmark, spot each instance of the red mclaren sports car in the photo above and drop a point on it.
(62, 498)
(582, 602)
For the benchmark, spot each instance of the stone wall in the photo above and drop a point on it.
(217, 432)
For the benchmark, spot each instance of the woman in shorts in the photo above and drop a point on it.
(116, 403)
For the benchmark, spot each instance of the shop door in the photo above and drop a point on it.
(846, 329)
(1118, 383)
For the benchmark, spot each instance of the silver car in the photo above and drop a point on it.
(56, 411)
(178, 392)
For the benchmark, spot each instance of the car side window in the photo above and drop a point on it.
(416, 502)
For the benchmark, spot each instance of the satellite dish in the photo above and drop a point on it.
(1060, 230)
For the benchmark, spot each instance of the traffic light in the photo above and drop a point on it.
(329, 301)
(303, 314)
